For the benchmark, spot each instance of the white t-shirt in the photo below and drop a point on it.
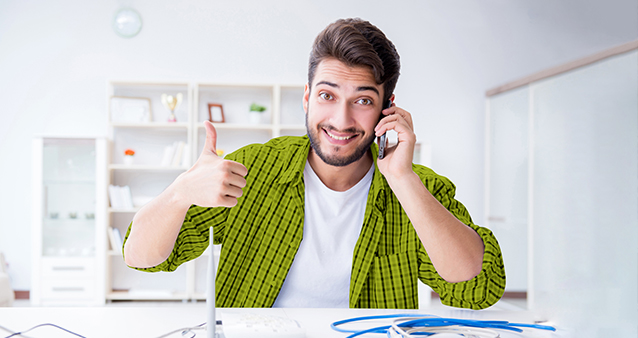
(320, 273)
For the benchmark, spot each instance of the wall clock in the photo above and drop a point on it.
(127, 22)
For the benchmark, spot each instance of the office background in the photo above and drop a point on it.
(56, 59)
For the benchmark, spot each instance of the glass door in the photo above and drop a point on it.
(69, 198)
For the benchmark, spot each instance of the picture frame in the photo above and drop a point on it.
(216, 113)
(124, 109)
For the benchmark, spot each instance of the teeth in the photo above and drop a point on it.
(339, 137)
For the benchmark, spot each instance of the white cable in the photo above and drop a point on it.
(464, 330)
(184, 329)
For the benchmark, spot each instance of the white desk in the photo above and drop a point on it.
(110, 322)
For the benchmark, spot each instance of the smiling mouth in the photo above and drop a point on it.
(340, 138)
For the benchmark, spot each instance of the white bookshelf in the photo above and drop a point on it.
(146, 178)
(137, 167)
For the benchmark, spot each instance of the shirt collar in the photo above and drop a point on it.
(297, 162)
(299, 156)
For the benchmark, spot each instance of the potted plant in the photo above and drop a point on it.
(128, 156)
(255, 113)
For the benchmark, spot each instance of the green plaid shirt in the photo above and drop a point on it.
(262, 233)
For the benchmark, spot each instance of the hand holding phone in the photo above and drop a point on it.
(382, 138)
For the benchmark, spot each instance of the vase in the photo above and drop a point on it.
(254, 117)
(128, 160)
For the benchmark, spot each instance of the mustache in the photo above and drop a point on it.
(347, 131)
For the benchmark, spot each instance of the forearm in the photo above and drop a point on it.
(455, 249)
(155, 228)
(211, 182)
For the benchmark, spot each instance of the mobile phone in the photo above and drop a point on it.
(382, 138)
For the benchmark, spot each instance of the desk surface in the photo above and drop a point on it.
(109, 322)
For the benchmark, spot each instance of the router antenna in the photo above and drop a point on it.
(210, 290)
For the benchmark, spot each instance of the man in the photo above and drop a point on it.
(319, 221)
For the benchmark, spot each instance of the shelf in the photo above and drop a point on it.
(165, 125)
(237, 126)
(141, 167)
(145, 295)
(131, 210)
(135, 85)
(49, 220)
(70, 181)
(72, 255)
(292, 127)
(199, 296)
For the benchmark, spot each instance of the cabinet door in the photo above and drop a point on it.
(69, 197)
(507, 181)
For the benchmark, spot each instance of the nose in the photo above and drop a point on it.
(342, 117)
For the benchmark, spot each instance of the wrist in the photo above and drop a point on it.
(402, 182)
(177, 193)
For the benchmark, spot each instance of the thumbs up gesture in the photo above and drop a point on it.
(212, 181)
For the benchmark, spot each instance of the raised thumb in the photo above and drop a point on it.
(210, 145)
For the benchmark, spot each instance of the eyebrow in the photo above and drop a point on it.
(359, 89)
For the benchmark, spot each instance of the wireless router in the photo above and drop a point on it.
(244, 325)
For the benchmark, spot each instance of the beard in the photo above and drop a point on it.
(336, 160)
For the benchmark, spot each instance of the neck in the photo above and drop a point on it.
(340, 178)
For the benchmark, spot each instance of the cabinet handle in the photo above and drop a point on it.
(68, 268)
(67, 289)
(496, 219)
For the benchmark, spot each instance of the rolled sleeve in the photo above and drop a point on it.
(488, 286)
(194, 235)
(193, 238)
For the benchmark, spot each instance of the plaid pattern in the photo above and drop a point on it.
(261, 234)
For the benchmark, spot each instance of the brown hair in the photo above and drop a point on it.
(356, 42)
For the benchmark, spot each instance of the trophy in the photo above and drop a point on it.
(171, 103)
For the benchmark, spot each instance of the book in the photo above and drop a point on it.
(114, 197)
(167, 158)
(115, 238)
(127, 198)
(120, 197)
(186, 156)
(179, 150)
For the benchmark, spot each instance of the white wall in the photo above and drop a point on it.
(590, 288)
(55, 59)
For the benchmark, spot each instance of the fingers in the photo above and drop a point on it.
(395, 111)
(227, 201)
(225, 190)
(233, 192)
(404, 133)
(393, 122)
(235, 181)
(210, 145)
(237, 168)
(232, 168)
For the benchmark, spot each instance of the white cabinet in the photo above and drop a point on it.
(147, 177)
(69, 209)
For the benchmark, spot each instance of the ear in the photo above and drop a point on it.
(392, 100)
(306, 96)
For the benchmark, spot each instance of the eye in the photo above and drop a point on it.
(325, 96)
(364, 101)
